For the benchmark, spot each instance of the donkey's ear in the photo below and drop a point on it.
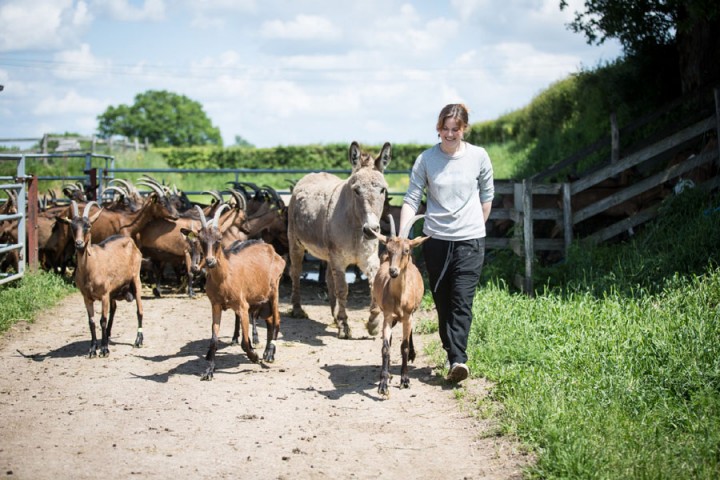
(354, 154)
(384, 158)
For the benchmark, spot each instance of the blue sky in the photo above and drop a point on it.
(286, 72)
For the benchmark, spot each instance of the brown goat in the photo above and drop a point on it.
(162, 242)
(106, 272)
(244, 278)
(398, 288)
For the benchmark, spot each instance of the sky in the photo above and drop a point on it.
(285, 72)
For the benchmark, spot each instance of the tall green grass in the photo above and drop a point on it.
(613, 370)
(23, 298)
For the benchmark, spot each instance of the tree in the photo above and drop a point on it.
(689, 26)
(164, 118)
(241, 142)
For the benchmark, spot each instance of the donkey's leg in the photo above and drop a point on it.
(341, 293)
(296, 254)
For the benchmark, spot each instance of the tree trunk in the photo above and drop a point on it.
(699, 54)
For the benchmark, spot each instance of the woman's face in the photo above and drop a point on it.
(451, 134)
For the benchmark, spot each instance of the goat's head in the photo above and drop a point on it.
(192, 237)
(398, 249)
(80, 224)
(368, 186)
(210, 236)
(161, 204)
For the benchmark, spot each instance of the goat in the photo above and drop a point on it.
(335, 220)
(398, 289)
(244, 278)
(106, 272)
(161, 241)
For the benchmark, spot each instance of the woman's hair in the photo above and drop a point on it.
(458, 111)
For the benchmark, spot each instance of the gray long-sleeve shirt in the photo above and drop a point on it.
(456, 186)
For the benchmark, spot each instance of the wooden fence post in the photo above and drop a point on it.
(567, 216)
(528, 236)
(31, 222)
(614, 139)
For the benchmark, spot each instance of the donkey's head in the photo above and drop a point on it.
(368, 186)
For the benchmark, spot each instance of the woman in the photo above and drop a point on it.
(458, 180)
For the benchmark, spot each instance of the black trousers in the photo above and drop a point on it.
(454, 270)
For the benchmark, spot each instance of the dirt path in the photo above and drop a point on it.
(314, 413)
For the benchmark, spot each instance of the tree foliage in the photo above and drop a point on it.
(646, 26)
(164, 118)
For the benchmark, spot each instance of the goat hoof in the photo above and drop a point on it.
(104, 352)
(373, 329)
(298, 312)
(156, 292)
(269, 354)
(206, 376)
(405, 383)
(235, 341)
(383, 390)
(253, 357)
(92, 353)
(344, 332)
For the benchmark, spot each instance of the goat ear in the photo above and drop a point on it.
(417, 241)
(384, 158)
(383, 239)
(187, 233)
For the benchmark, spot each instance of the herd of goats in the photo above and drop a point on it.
(241, 248)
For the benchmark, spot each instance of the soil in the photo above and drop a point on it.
(314, 413)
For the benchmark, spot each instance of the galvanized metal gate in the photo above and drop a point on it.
(17, 185)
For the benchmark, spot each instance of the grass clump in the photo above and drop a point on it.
(613, 369)
(22, 299)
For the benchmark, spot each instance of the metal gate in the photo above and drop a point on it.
(15, 184)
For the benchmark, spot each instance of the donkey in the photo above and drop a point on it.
(334, 220)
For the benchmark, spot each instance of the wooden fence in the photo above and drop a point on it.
(616, 193)
(75, 144)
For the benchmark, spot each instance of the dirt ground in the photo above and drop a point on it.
(314, 413)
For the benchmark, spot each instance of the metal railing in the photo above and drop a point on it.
(15, 184)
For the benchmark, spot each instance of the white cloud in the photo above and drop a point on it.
(23, 28)
(70, 103)
(124, 10)
(80, 63)
(302, 27)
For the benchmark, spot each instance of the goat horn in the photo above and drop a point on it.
(74, 206)
(239, 198)
(148, 178)
(86, 211)
(123, 182)
(120, 190)
(255, 188)
(273, 193)
(392, 225)
(203, 220)
(219, 210)
(155, 187)
(215, 194)
(406, 231)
